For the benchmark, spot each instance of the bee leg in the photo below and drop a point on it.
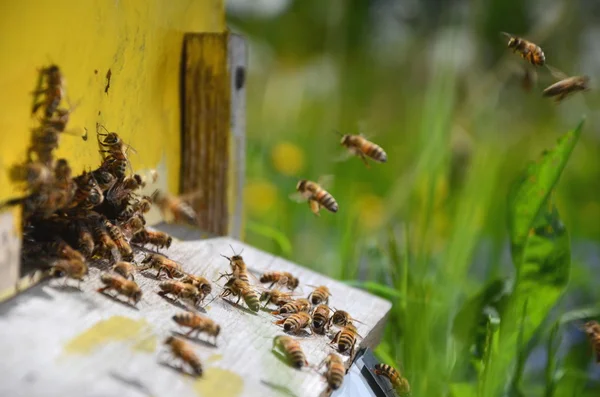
(364, 160)
(158, 274)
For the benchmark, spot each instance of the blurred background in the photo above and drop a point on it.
(435, 85)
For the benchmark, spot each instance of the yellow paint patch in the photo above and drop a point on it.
(114, 329)
(214, 358)
(228, 384)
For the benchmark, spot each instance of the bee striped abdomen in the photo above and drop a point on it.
(336, 371)
(374, 151)
(326, 200)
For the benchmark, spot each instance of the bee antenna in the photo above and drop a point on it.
(226, 257)
(338, 133)
(101, 126)
(506, 34)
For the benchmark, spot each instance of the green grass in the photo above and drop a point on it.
(471, 242)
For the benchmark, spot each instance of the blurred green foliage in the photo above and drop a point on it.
(433, 83)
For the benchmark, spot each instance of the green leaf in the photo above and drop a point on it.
(375, 288)
(269, 232)
(463, 390)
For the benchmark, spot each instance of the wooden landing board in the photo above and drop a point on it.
(62, 341)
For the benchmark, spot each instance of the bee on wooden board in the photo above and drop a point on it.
(199, 282)
(180, 290)
(85, 238)
(104, 244)
(295, 322)
(315, 194)
(319, 295)
(566, 87)
(346, 339)
(69, 268)
(359, 146)
(156, 238)
(295, 306)
(162, 263)
(291, 349)
(592, 329)
(335, 371)
(275, 297)
(174, 208)
(281, 278)
(65, 251)
(125, 269)
(127, 288)
(198, 324)
(398, 381)
(342, 318)
(238, 266)
(183, 351)
(117, 236)
(320, 316)
(529, 51)
(241, 289)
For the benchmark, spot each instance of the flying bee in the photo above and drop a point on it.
(566, 87)
(199, 282)
(35, 174)
(342, 318)
(398, 381)
(160, 262)
(117, 236)
(69, 268)
(529, 51)
(295, 322)
(238, 266)
(292, 350)
(156, 238)
(335, 371)
(320, 316)
(197, 324)
(125, 269)
(592, 329)
(275, 297)
(295, 306)
(283, 278)
(180, 290)
(174, 208)
(359, 146)
(241, 289)
(346, 339)
(53, 92)
(319, 295)
(315, 194)
(118, 283)
(182, 350)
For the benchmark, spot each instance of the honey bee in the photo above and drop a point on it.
(175, 209)
(88, 193)
(69, 268)
(104, 243)
(335, 371)
(117, 236)
(295, 322)
(104, 178)
(398, 381)
(122, 286)
(342, 318)
(296, 306)
(359, 146)
(238, 266)
(44, 141)
(320, 317)
(283, 278)
(133, 225)
(197, 324)
(292, 350)
(158, 239)
(160, 262)
(275, 297)
(528, 50)
(592, 329)
(182, 350)
(241, 289)
(180, 290)
(53, 92)
(566, 87)
(35, 174)
(315, 194)
(125, 269)
(65, 251)
(85, 239)
(319, 295)
(113, 151)
(346, 339)
(199, 282)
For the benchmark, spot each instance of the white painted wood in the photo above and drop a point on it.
(36, 325)
(10, 250)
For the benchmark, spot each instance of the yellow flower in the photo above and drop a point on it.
(288, 158)
(260, 196)
(371, 212)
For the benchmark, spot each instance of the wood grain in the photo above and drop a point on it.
(62, 341)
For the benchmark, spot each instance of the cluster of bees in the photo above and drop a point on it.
(533, 54)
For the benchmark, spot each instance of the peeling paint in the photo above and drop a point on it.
(228, 384)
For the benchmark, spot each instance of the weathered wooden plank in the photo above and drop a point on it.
(10, 249)
(206, 123)
(85, 343)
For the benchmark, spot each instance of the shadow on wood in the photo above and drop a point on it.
(195, 339)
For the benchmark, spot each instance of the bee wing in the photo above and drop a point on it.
(297, 197)
(557, 73)
(191, 195)
(326, 181)
(343, 157)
